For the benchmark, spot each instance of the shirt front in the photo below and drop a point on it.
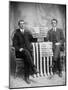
(22, 30)
(54, 29)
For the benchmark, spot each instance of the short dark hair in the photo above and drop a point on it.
(54, 20)
(20, 21)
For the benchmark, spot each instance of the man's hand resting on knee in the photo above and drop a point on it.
(58, 43)
(21, 49)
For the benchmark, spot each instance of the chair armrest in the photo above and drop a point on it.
(12, 48)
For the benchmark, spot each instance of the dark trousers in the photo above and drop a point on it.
(56, 59)
(29, 67)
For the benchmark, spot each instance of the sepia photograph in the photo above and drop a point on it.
(37, 44)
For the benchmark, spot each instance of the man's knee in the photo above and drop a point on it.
(27, 54)
(26, 51)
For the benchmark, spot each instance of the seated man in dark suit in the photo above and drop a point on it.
(56, 36)
(23, 48)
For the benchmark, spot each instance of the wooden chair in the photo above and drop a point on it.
(63, 60)
(19, 69)
(62, 57)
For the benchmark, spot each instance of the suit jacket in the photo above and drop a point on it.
(56, 36)
(22, 40)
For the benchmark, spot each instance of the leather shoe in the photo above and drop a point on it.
(27, 81)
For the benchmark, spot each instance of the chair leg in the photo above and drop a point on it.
(16, 71)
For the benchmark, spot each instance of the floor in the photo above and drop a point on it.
(37, 81)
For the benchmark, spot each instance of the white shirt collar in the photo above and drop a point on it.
(22, 30)
(54, 29)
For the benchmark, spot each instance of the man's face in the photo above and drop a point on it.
(54, 23)
(21, 25)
